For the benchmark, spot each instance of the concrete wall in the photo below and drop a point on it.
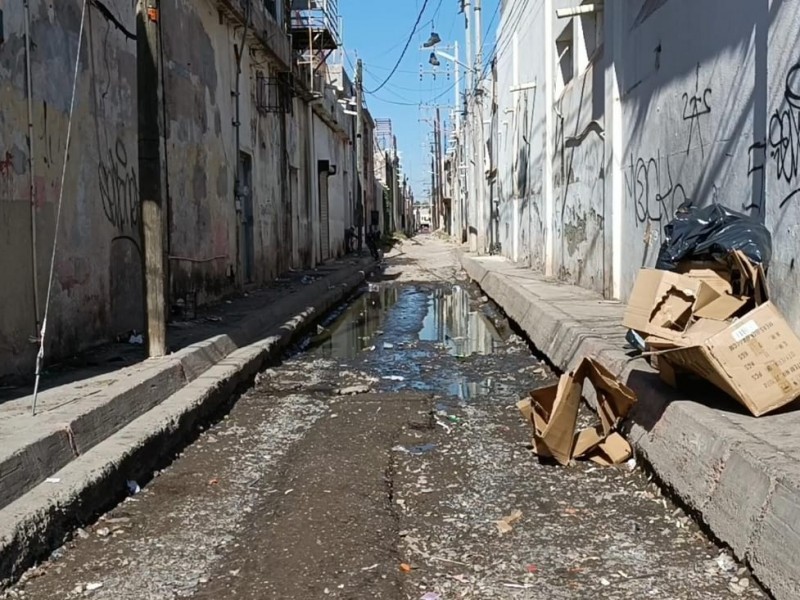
(207, 242)
(97, 282)
(684, 101)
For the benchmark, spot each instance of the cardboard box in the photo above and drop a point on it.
(553, 414)
(735, 339)
(755, 359)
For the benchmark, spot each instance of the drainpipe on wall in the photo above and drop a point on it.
(237, 124)
(31, 167)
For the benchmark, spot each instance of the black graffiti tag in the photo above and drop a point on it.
(650, 185)
(119, 189)
(784, 134)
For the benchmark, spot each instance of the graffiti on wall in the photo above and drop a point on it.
(756, 160)
(6, 165)
(119, 189)
(656, 196)
(696, 104)
(784, 134)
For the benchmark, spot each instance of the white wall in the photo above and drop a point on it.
(709, 107)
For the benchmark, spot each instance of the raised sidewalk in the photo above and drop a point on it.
(58, 469)
(740, 474)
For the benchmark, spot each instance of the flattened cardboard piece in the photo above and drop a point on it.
(555, 424)
(752, 279)
(721, 308)
(587, 440)
(553, 412)
(614, 450)
(614, 399)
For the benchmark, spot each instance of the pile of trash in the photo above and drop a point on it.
(705, 311)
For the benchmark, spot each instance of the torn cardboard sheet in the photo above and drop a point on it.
(553, 414)
(505, 524)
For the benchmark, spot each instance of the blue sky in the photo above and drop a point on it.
(376, 31)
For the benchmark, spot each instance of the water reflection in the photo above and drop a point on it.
(354, 329)
(449, 320)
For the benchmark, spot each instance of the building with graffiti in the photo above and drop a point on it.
(600, 120)
(257, 147)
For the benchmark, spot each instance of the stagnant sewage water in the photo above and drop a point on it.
(423, 338)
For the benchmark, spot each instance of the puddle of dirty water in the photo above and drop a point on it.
(404, 333)
(354, 329)
(463, 331)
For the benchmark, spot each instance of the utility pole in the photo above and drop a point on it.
(151, 174)
(468, 132)
(360, 149)
(439, 166)
(480, 176)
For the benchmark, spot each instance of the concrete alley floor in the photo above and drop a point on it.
(374, 462)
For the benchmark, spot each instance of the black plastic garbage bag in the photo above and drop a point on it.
(712, 233)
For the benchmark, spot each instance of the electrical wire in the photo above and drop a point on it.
(407, 102)
(405, 49)
(40, 353)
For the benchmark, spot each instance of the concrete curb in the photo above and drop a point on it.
(95, 479)
(745, 491)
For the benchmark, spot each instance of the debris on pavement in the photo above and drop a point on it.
(505, 525)
(405, 567)
(353, 390)
(430, 596)
(136, 339)
(553, 414)
(133, 488)
(717, 322)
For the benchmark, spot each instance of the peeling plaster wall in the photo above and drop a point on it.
(521, 138)
(578, 173)
(98, 278)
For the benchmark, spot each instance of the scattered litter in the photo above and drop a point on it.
(353, 390)
(405, 567)
(725, 563)
(442, 424)
(394, 378)
(387, 346)
(306, 280)
(136, 339)
(504, 525)
(287, 492)
(604, 581)
(631, 464)
(53, 480)
(415, 450)
(430, 596)
(533, 568)
(234, 572)
(320, 329)
(133, 487)
(104, 532)
(82, 533)
(519, 586)
(553, 415)
(214, 481)
(90, 587)
(370, 568)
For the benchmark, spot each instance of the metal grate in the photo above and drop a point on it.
(273, 94)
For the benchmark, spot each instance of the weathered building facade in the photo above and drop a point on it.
(601, 119)
(258, 157)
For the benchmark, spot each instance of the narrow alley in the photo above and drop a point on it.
(375, 461)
